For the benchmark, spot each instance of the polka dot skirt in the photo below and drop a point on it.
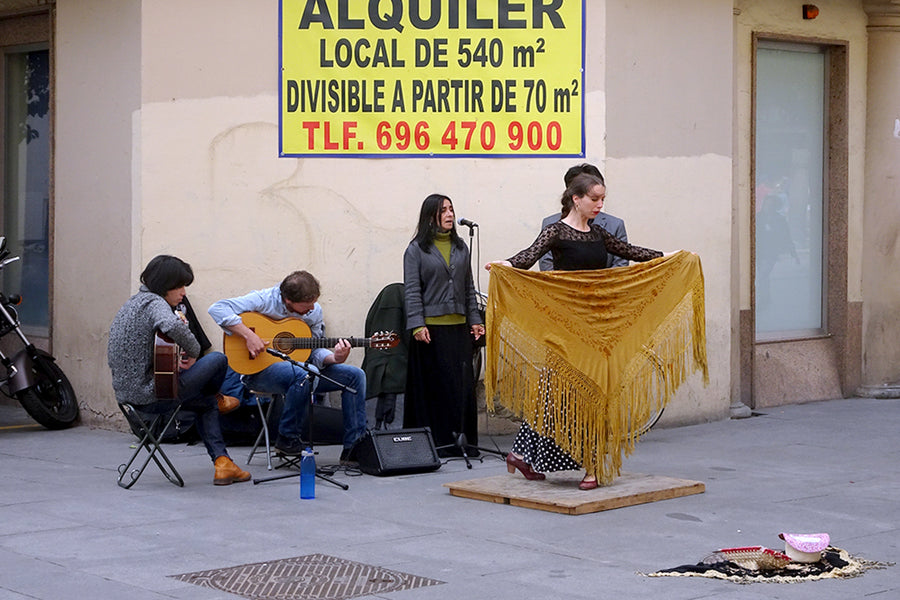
(541, 452)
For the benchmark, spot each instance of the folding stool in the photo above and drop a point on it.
(264, 436)
(269, 400)
(150, 435)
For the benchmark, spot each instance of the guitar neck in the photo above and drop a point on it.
(298, 343)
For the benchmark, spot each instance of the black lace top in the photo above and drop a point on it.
(575, 250)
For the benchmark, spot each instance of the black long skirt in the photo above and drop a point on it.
(440, 387)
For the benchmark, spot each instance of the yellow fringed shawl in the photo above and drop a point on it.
(582, 355)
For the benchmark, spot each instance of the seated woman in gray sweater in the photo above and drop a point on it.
(157, 307)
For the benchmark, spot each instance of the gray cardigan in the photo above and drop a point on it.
(433, 288)
(130, 348)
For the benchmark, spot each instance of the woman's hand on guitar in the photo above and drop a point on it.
(187, 362)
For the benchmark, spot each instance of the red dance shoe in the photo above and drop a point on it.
(588, 484)
(513, 463)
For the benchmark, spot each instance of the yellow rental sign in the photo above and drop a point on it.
(390, 78)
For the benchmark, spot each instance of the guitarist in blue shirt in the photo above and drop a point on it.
(295, 298)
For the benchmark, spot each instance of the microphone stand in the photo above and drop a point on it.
(460, 441)
(313, 372)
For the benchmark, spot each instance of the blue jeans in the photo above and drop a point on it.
(234, 386)
(197, 388)
(293, 382)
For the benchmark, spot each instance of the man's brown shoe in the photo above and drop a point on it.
(227, 472)
(227, 403)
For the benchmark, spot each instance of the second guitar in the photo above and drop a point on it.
(292, 337)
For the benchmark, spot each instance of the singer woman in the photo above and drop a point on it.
(442, 313)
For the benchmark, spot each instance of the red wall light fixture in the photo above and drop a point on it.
(810, 11)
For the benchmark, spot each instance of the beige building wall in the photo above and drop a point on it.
(95, 256)
(180, 157)
(215, 192)
(669, 157)
(881, 327)
(167, 126)
(187, 164)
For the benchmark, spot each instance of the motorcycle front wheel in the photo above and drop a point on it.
(51, 400)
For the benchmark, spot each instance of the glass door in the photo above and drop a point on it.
(790, 195)
(26, 181)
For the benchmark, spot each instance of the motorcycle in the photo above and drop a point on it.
(32, 375)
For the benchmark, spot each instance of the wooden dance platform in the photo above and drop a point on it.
(559, 492)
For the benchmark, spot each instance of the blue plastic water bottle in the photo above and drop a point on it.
(308, 475)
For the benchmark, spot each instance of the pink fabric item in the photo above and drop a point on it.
(807, 542)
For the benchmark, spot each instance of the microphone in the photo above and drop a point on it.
(280, 355)
(467, 223)
(311, 368)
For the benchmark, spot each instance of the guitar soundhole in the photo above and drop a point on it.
(282, 342)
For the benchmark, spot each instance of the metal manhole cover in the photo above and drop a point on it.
(311, 577)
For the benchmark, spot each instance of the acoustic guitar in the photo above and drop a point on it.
(167, 361)
(292, 337)
(166, 365)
